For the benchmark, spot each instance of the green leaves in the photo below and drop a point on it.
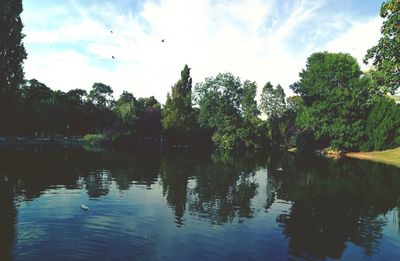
(12, 55)
(178, 114)
(385, 56)
(126, 110)
(101, 95)
(273, 101)
(228, 107)
(336, 100)
(383, 125)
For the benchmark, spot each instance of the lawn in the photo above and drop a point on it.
(387, 156)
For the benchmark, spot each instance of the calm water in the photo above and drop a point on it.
(149, 205)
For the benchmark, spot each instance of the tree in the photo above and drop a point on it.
(219, 108)
(101, 95)
(126, 110)
(98, 108)
(335, 98)
(148, 117)
(251, 132)
(294, 105)
(178, 114)
(44, 111)
(228, 109)
(76, 123)
(385, 55)
(12, 54)
(274, 106)
(273, 100)
(383, 125)
(34, 96)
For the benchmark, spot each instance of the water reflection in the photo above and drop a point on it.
(8, 215)
(334, 205)
(224, 188)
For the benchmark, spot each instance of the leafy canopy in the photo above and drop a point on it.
(335, 98)
(178, 114)
(385, 55)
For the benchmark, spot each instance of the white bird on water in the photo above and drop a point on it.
(84, 207)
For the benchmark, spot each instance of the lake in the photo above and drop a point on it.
(182, 205)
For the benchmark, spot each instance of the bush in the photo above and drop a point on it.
(95, 138)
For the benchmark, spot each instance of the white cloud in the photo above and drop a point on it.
(357, 39)
(247, 38)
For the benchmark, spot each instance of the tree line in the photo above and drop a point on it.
(336, 104)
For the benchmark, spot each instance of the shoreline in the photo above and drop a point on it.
(40, 141)
(391, 156)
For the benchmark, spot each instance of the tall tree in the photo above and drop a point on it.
(274, 106)
(385, 55)
(178, 114)
(250, 132)
(335, 99)
(12, 54)
(273, 100)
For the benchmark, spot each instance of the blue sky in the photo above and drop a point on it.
(70, 43)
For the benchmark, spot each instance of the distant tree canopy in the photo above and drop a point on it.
(385, 55)
(335, 98)
(12, 54)
(47, 112)
(101, 95)
(225, 105)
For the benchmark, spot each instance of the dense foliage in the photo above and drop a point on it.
(385, 55)
(273, 104)
(179, 119)
(227, 107)
(335, 97)
(12, 54)
(383, 125)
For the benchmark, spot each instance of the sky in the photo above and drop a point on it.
(75, 43)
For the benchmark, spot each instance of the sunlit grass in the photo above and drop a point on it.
(388, 156)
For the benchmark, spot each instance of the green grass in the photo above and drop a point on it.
(387, 156)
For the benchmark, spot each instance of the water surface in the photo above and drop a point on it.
(152, 205)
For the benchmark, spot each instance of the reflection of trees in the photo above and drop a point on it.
(47, 166)
(224, 188)
(98, 183)
(8, 215)
(140, 167)
(37, 169)
(336, 202)
(175, 171)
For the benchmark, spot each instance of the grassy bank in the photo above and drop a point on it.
(388, 156)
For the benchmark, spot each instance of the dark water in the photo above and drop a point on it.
(148, 205)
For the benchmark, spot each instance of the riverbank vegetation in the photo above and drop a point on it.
(336, 104)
